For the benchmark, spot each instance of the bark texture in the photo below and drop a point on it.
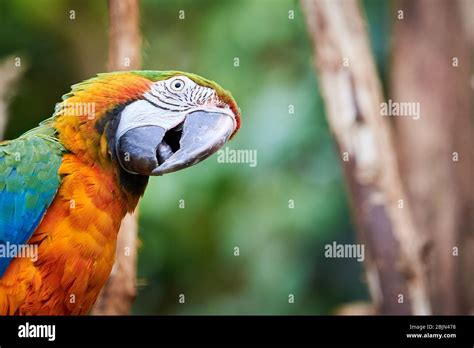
(352, 94)
(432, 65)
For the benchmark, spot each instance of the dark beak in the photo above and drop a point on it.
(152, 150)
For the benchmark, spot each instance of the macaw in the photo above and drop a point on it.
(66, 185)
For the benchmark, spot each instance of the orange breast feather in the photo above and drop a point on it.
(76, 246)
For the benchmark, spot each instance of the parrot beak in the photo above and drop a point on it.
(160, 148)
(203, 133)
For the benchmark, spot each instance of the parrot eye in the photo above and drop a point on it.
(177, 85)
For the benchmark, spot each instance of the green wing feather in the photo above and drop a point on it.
(29, 181)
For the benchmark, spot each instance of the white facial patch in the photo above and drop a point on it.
(142, 113)
(179, 93)
(168, 102)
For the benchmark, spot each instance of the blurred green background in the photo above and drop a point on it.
(190, 251)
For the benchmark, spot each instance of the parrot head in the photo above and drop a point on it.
(147, 123)
(178, 122)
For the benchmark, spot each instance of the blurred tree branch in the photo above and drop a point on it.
(119, 293)
(10, 74)
(432, 65)
(352, 93)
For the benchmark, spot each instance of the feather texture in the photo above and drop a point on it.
(28, 184)
(65, 198)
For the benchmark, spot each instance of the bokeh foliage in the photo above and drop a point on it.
(191, 250)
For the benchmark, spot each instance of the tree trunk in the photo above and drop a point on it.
(432, 65)
(353, 96)
(119, 293)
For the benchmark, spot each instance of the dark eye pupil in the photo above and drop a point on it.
(177, 85)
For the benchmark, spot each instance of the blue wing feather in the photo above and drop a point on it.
(24, 197)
